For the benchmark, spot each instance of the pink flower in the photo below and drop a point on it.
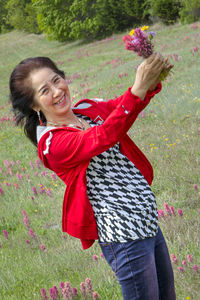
(16, 185)
(53, 176)
(48, 192)
(161, 213)
(195, 49)
(89, 288)
(75, 292)
(189, 258)
(139, 43)
(31, 232)
(95, 296)
(95, 258)
(83, 289)
(34, 190)
(195, 186)
(180, 212)
(172, 210)
(167, 209)
(31, 164)
(26, 222)
(102, 255)
(199, 211)
(24, 213)
(53, 293)
(43, 247)
(37, 162)
(174, 259)
(5, 233)
(184, 262)
(1, 191)
(62, 285)
(195, 268)
(27, 241)
(143, 114)
(10, 171)
(44, 294)
(67, 291)
(180, 269)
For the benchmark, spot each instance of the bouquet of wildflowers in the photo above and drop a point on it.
(139, 40)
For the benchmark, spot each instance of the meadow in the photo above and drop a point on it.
(35, 254)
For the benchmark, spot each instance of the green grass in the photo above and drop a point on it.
(168, 135)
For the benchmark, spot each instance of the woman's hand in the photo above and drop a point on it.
(147, 74)
(167, 68)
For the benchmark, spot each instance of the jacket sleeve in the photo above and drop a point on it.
(68, 148)
(111, 104)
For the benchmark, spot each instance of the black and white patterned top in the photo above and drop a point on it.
(123, 203)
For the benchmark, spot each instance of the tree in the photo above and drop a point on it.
(190, 11)
(21, 15)
(54, 18)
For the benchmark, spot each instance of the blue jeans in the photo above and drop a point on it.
(143, 268)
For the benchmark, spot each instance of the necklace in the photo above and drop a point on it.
(82, 127)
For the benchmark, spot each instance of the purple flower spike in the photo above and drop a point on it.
(44, 294)
(5, 233)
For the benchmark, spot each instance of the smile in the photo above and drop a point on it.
(60, 101)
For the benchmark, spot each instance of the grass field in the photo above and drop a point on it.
(168, 132)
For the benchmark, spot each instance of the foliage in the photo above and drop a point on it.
(166, 10)
(190, 11)
(4, 27)
(54, 18)
(21, 15)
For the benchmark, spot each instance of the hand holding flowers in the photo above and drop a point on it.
(141, 42)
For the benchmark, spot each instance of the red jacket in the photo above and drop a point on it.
(67, 151)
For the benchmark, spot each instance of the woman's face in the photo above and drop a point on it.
(52, 95)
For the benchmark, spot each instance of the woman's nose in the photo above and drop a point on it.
(55, 90)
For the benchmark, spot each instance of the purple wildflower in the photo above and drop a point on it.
(31, 164)
(34, 190)
(95, 257)
(180, 269)
(83, 289)
(195, 268)
(167, 209)
(1, 191)
(5, 233)
(62, 285)
(44, 294)
(95, 296)
(139, 43)
(43, 247)
(53, 293)
(75, 292)
(172, 210)
(180, 212)
(89, 288)
(31, 232)
(67, 291)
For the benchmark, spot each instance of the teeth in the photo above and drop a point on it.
(61, 100)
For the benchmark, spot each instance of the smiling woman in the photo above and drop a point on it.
(108, 196)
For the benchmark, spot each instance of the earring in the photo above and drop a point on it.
(38, 113)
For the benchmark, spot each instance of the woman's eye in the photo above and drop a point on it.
(45, 91)
(56, 79)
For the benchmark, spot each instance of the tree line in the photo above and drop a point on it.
(66, 20)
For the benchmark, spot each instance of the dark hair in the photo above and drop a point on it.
(22, 93)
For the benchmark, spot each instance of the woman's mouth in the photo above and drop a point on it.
(60, 101)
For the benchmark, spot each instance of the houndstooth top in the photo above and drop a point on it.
(123, 203)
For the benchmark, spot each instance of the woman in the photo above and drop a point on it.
(107, 177)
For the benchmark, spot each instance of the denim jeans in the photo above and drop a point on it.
(143, 268)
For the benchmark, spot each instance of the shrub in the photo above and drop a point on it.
(166, 10)
(190, 11)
